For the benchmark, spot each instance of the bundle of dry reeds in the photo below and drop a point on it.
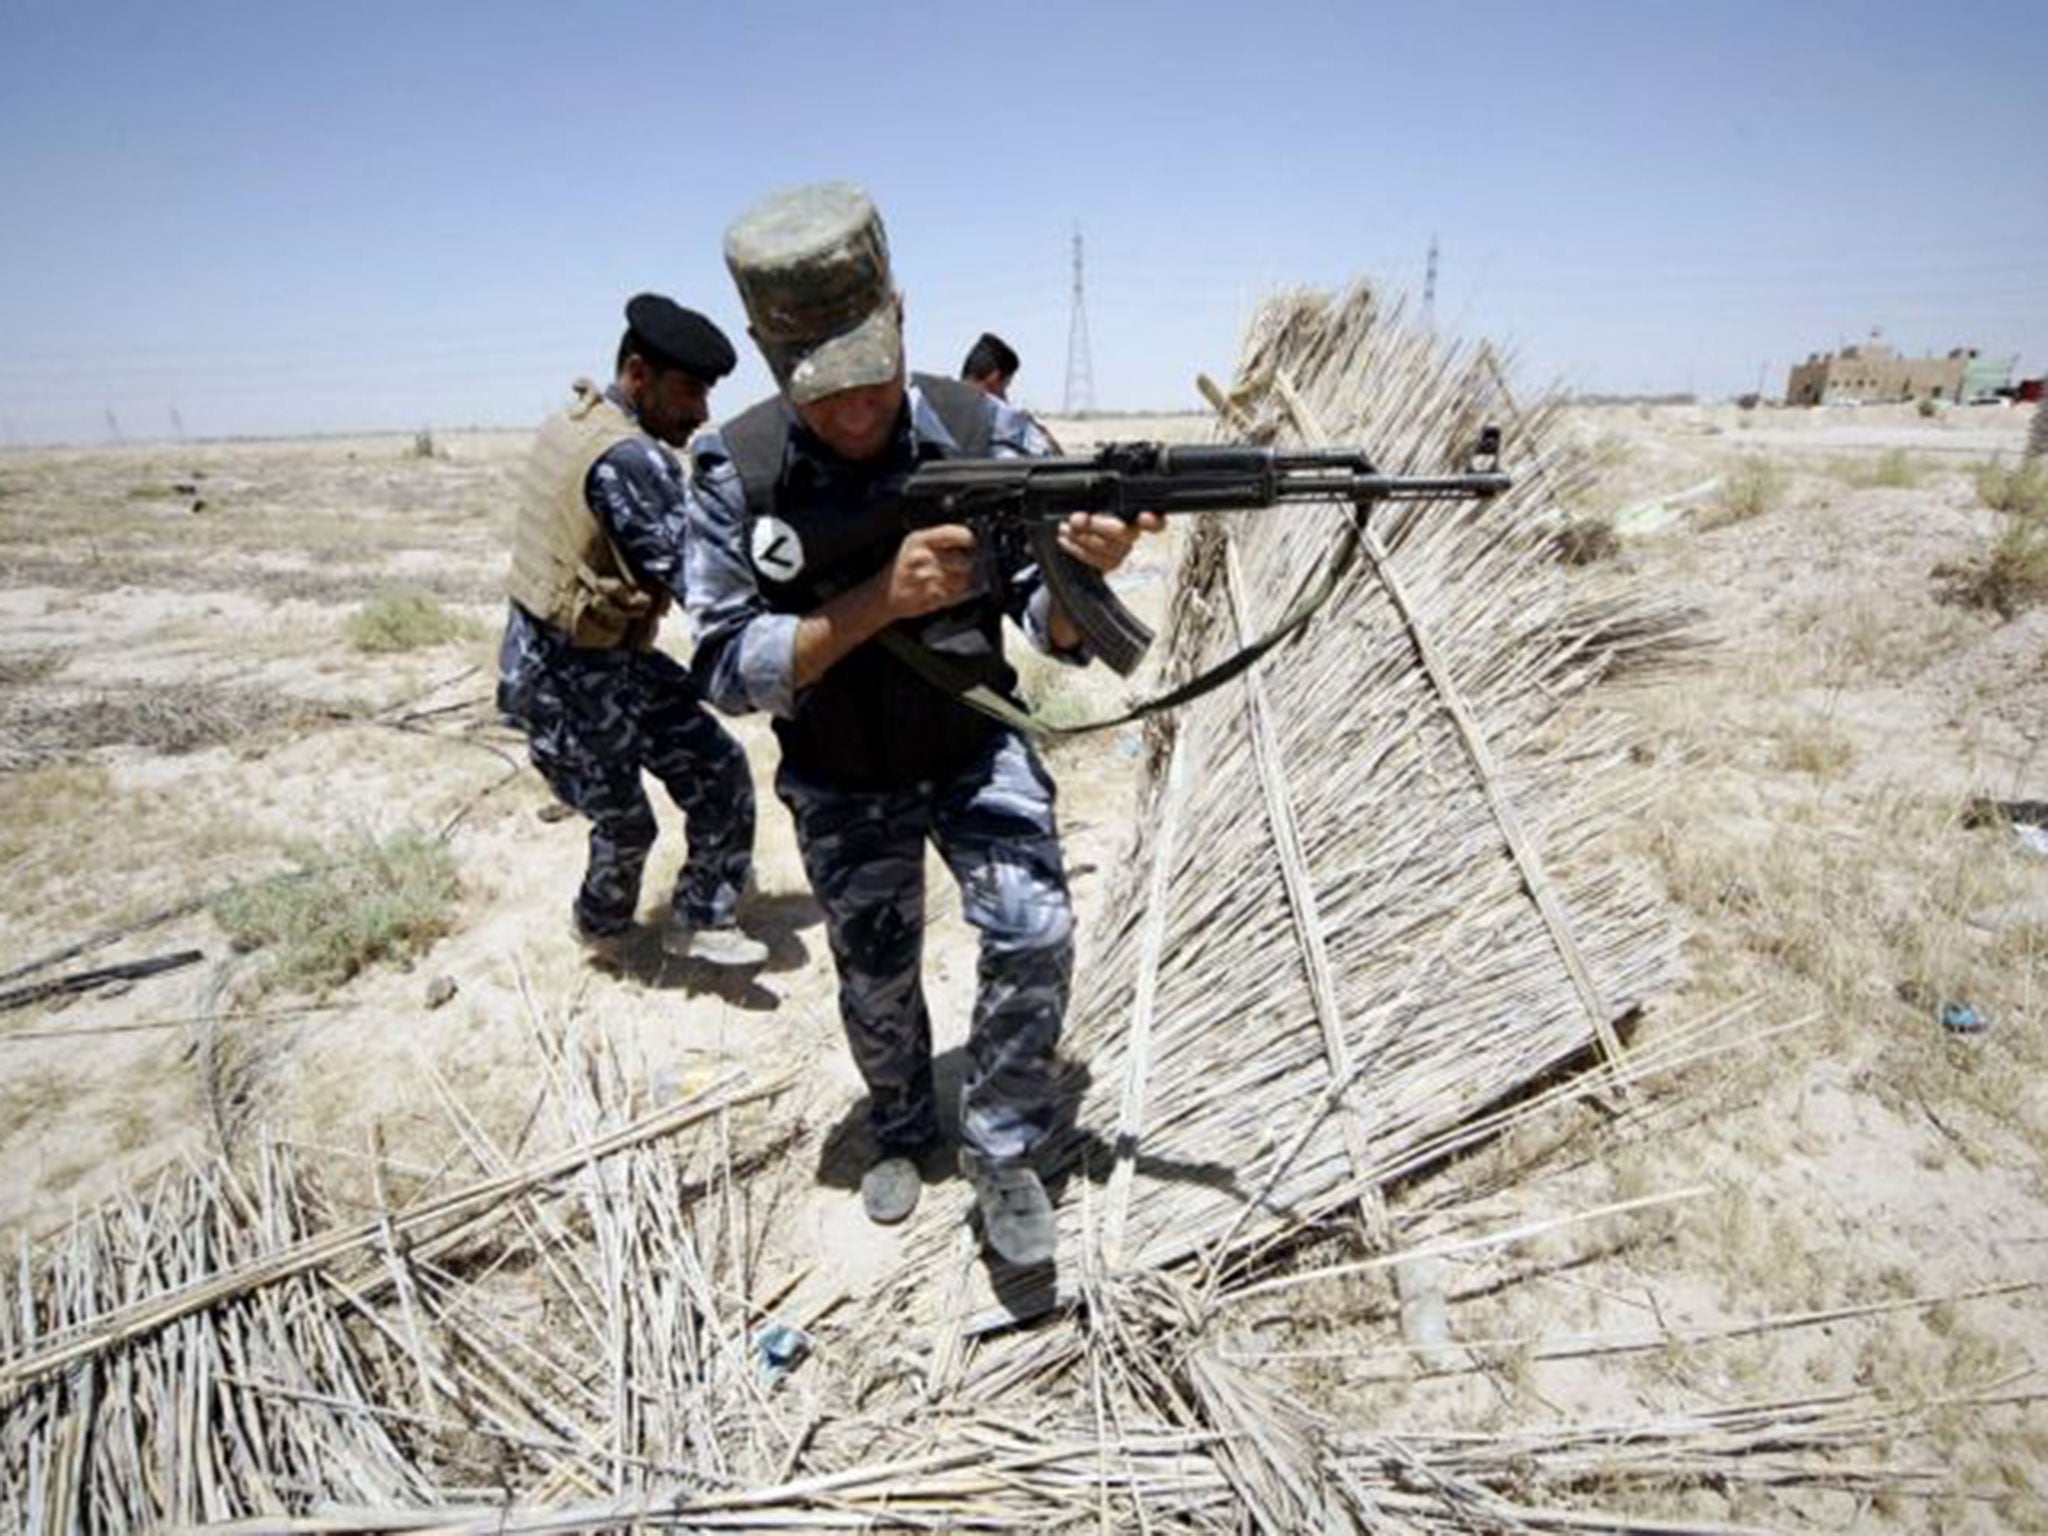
(217, 1347)
(1370, 896)
(563, 1343)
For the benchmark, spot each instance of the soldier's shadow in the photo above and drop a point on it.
(1025, 1292)
(776, 921)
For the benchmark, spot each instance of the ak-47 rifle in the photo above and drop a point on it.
(1125, 479)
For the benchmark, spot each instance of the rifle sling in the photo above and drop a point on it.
(953, 681)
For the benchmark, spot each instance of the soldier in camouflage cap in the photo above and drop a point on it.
(798, 560)
(812, 268)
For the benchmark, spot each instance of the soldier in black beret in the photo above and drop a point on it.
(596, 559)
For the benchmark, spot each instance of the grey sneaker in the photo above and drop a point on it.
(1016, 1216)
(712, 946)
(889, 1190)
(605, 949)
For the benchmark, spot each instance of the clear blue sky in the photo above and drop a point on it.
(286, 217)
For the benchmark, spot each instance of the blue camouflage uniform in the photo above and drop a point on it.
(596, 718)
(989, 811)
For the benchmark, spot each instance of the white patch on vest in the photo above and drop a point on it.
(778, 552)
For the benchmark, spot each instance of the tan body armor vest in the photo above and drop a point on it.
(565, 568)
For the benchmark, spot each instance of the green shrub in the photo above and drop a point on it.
(346, 909)
(2022, 491)
(1749, 490)
(406, 621)
(1927, 408)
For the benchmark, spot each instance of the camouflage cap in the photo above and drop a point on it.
(812, 268)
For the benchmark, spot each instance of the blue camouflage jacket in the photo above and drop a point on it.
(745, 656)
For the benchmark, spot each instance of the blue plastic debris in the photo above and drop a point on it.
(779, 1351)
(1962, 1019)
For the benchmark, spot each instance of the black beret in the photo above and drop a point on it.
(664, 332)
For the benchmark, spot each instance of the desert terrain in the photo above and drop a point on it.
(241, 679)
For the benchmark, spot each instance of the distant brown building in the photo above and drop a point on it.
(1873, 373)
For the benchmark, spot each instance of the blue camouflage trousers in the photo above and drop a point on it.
(593, 726)
(993, 825)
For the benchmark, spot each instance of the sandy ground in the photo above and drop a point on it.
(1816, 760)
(181, 708)
(132, 621)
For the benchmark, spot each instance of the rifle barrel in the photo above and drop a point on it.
(1176, 479)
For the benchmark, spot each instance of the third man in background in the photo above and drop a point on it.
(990, 365)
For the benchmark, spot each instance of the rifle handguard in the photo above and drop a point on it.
(1112, 632)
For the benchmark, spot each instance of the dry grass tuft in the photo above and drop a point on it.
(2021, 491)
(50, 795)
(1764, 1259)
(1892, 470)
(84, 850)
(172, 718)
(30, 1094)
(1585, 541)
(1749, 490)
(407, 621)
(22, 669)
(1866, 637)
(345, 910)
(2008, 577)
(1818, 747)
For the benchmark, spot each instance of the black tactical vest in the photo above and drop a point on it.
(814, 530)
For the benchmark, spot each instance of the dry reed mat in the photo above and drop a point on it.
(574, 1325)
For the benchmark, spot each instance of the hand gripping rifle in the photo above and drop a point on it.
(1125, 479)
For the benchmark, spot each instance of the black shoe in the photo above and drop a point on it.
(1016, 1216)
(889, 1190)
